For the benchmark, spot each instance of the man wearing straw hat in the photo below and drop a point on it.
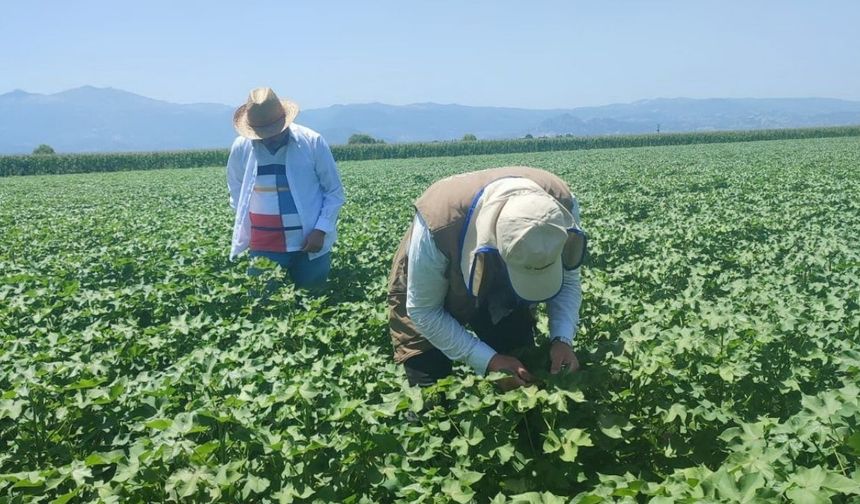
(285, 188)
(483, 249)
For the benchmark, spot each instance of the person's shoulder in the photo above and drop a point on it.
(240, 143)
(305, 133)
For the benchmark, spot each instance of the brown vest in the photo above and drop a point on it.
(443, 208)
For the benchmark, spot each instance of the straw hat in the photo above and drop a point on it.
(264, 115)
(535, 236)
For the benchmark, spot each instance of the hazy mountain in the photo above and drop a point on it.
(423, 121)
(105, 119)
(685, 114)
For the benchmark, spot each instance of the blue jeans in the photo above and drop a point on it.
(307, 274)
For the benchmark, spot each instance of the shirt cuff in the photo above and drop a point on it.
(324, 225)
(562, 329)
(565, 336)
(567, 341)
(479, 358)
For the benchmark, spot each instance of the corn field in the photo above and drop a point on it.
(109, 162)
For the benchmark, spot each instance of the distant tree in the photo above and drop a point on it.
(43, 149)
(468, 137)
(363, 138)
(529, 136)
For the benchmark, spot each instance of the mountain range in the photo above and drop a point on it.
(90, 119)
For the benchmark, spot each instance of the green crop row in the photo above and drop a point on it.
(719, 342)
(109, 162)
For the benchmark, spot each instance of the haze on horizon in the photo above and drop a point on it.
(546, 54)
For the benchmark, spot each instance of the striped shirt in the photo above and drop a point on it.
(275, 222)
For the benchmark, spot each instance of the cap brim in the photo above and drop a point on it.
(537, 286)
(240, 122)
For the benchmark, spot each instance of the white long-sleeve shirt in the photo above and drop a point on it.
(313, 179)
(426, 287)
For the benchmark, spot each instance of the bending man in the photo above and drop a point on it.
(484, 248)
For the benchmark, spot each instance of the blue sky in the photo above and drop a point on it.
(539, 54)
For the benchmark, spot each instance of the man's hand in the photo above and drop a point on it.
(562, 358)
(520, 376)
(314, 241)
